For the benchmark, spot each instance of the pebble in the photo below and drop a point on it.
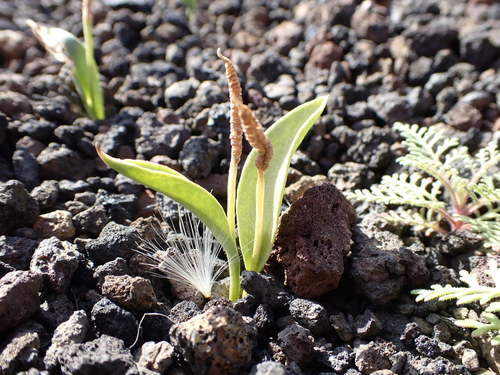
(311, 315)
(56, 223)
(17, 208)
(110, 319)
(312, 239)
(297, 343)
(132, 293)
(114, 241)
(56, 260)
(155, 356)
(19, 299)
(17, 251)
(213, 342)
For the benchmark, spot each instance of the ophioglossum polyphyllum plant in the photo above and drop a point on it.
(66, 48)
(254, 204)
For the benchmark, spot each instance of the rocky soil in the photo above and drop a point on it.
(73, 292)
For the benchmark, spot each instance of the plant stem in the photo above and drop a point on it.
(259, 221)
(94, 97)
(231, 196)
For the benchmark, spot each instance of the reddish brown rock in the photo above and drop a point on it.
(19, 298)
(130, 292)
(313, 237)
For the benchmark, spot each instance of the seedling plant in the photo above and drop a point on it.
(253, 204)
(451, 189)
(67, 48)
(471, 293)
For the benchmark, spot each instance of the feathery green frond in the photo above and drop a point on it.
(440, 191)
(473, 292)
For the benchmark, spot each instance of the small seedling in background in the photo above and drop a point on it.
(260, 188)
(443, 199)
(66, 48)
(473, 292)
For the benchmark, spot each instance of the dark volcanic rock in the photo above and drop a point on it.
(382, 266)
(214, 342)
(313, 238)
(18, 297)
(56, 261)
(17, 207)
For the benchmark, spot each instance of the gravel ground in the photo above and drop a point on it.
(73, 291)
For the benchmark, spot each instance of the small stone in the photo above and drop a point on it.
(367, 326)
(285, 36)
(464, 116)
(91, 221)
(135, 293)
(56, 223)
(268, 368)
(19, 297)
(155, 356)
(312, 240)
(58, 162)
(297, 343)
(111, 319)
(470, 360)
(342, 327)
(310, 315)
(214, 342)
(198, 156)
(17, 208)
(17, 251)
(46, 195)
(374, 356)
(20, 351)
(56, 261)
(298, 188)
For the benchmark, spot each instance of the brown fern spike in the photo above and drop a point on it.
(236, 133)
(254, 133)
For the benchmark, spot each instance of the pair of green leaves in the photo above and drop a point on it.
(285, 135)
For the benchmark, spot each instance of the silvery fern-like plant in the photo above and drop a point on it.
(454, 190)
(473, 292)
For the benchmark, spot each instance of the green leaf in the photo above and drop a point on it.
(190, 195)
(285, 135)
(65, 47)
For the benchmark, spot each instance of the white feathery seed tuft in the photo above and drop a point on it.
(190, 257)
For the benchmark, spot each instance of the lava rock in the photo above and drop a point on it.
(310, 315)
(135, 293)
(184, 311)
(55, 309)
(58, 162)
(71, 331)
(46, 195)
(297, 343)
(341, 326)
(17, 208)
(56, 223)
(56, 261)
(214, 342)
(155, 356)
(91, 221)
(114, 241)
(119, 207)
(17, 251)
(104, 355)
(367, 326)
(266, 289)
(313, 238)
(26, 168)
(382, 266)
(20, 350)
(390, 107)
(374, 356)
(371, 148)
(19, 297)
(111, 319)
(198, 156)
